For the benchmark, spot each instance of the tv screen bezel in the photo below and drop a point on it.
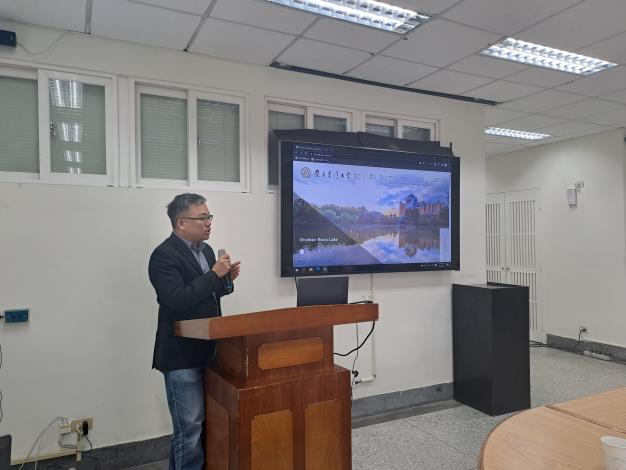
(286, 216)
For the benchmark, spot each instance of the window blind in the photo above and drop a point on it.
(218, 141)
(330, 123)
(78, 128)
(279, 121)
(19, 132)
(163, 137)
(415, 133)
(379, 129)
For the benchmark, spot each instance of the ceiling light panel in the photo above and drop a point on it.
(542, 56)
(364, 12)
(516, 134)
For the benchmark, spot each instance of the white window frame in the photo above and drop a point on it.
(308, 110)
(312, 111)
(400, 122)
(194, 96)
(431, 125)
(191, 95)
(156, 182)
(287, 108)
(379, 121)
(29, 74)
(111, 176)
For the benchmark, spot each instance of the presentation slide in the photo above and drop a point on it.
(351, 214)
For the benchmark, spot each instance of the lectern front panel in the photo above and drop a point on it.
(323, 439)
(271, 437)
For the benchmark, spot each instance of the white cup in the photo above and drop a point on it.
(614, 452)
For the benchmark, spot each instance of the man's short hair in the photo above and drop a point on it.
(181, 204)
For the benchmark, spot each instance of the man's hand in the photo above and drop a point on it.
(222, 266)
(234, 269)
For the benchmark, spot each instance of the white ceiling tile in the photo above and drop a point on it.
(592, 131)
(601, 83)
(197, 7)
(504, 151)
(579, 26)
(497, 147)
(542, 77)
(505, 16)
(446, 81)
(532, 122)
(239, 42)
(619, 96)
(351, 35)
(496, 139)
(320, 56)
(494, 115)
(503, 91)
(425, 6)
(538, 143)
(388, 70)
(487, 66)
(135, 22)
(614, 118)
(570, 127)
(613, 49)
(440, 43)
(263, 15)
(62, 14)
(584, 108)
(542, 101)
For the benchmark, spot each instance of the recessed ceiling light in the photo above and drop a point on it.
(515, 133)
(365, 12)
(66, 94)
(542, 56)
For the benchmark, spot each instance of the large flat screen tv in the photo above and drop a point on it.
(364, 210)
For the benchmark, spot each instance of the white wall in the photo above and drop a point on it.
(77, 256)
(584, 268)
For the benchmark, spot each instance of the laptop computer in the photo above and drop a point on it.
(322, 290)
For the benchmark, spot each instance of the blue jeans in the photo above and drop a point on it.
(185, 398)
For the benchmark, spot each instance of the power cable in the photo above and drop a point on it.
(40, 440)
(360, 345)
(355, 372)
(46, 49)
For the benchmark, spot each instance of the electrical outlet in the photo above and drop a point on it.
(65, 428)
(79, 423)
(16, 316)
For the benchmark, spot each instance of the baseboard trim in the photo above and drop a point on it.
(117, 456)
(617, 352)
(389, 402)
(365, 411)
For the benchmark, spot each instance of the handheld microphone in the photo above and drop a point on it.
(227, 279)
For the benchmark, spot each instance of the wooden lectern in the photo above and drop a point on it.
(274, 398)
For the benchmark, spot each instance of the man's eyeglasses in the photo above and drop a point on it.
(204, 218)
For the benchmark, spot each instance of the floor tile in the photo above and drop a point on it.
(450, 437)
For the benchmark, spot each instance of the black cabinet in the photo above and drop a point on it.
(490, 347)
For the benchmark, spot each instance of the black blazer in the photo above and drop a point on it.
(183, 293)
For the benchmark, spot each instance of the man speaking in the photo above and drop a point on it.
(189, 282)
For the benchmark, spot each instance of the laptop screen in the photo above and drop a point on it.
(322, 290)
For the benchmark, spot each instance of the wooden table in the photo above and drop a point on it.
(607, 409)
(562, 436)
